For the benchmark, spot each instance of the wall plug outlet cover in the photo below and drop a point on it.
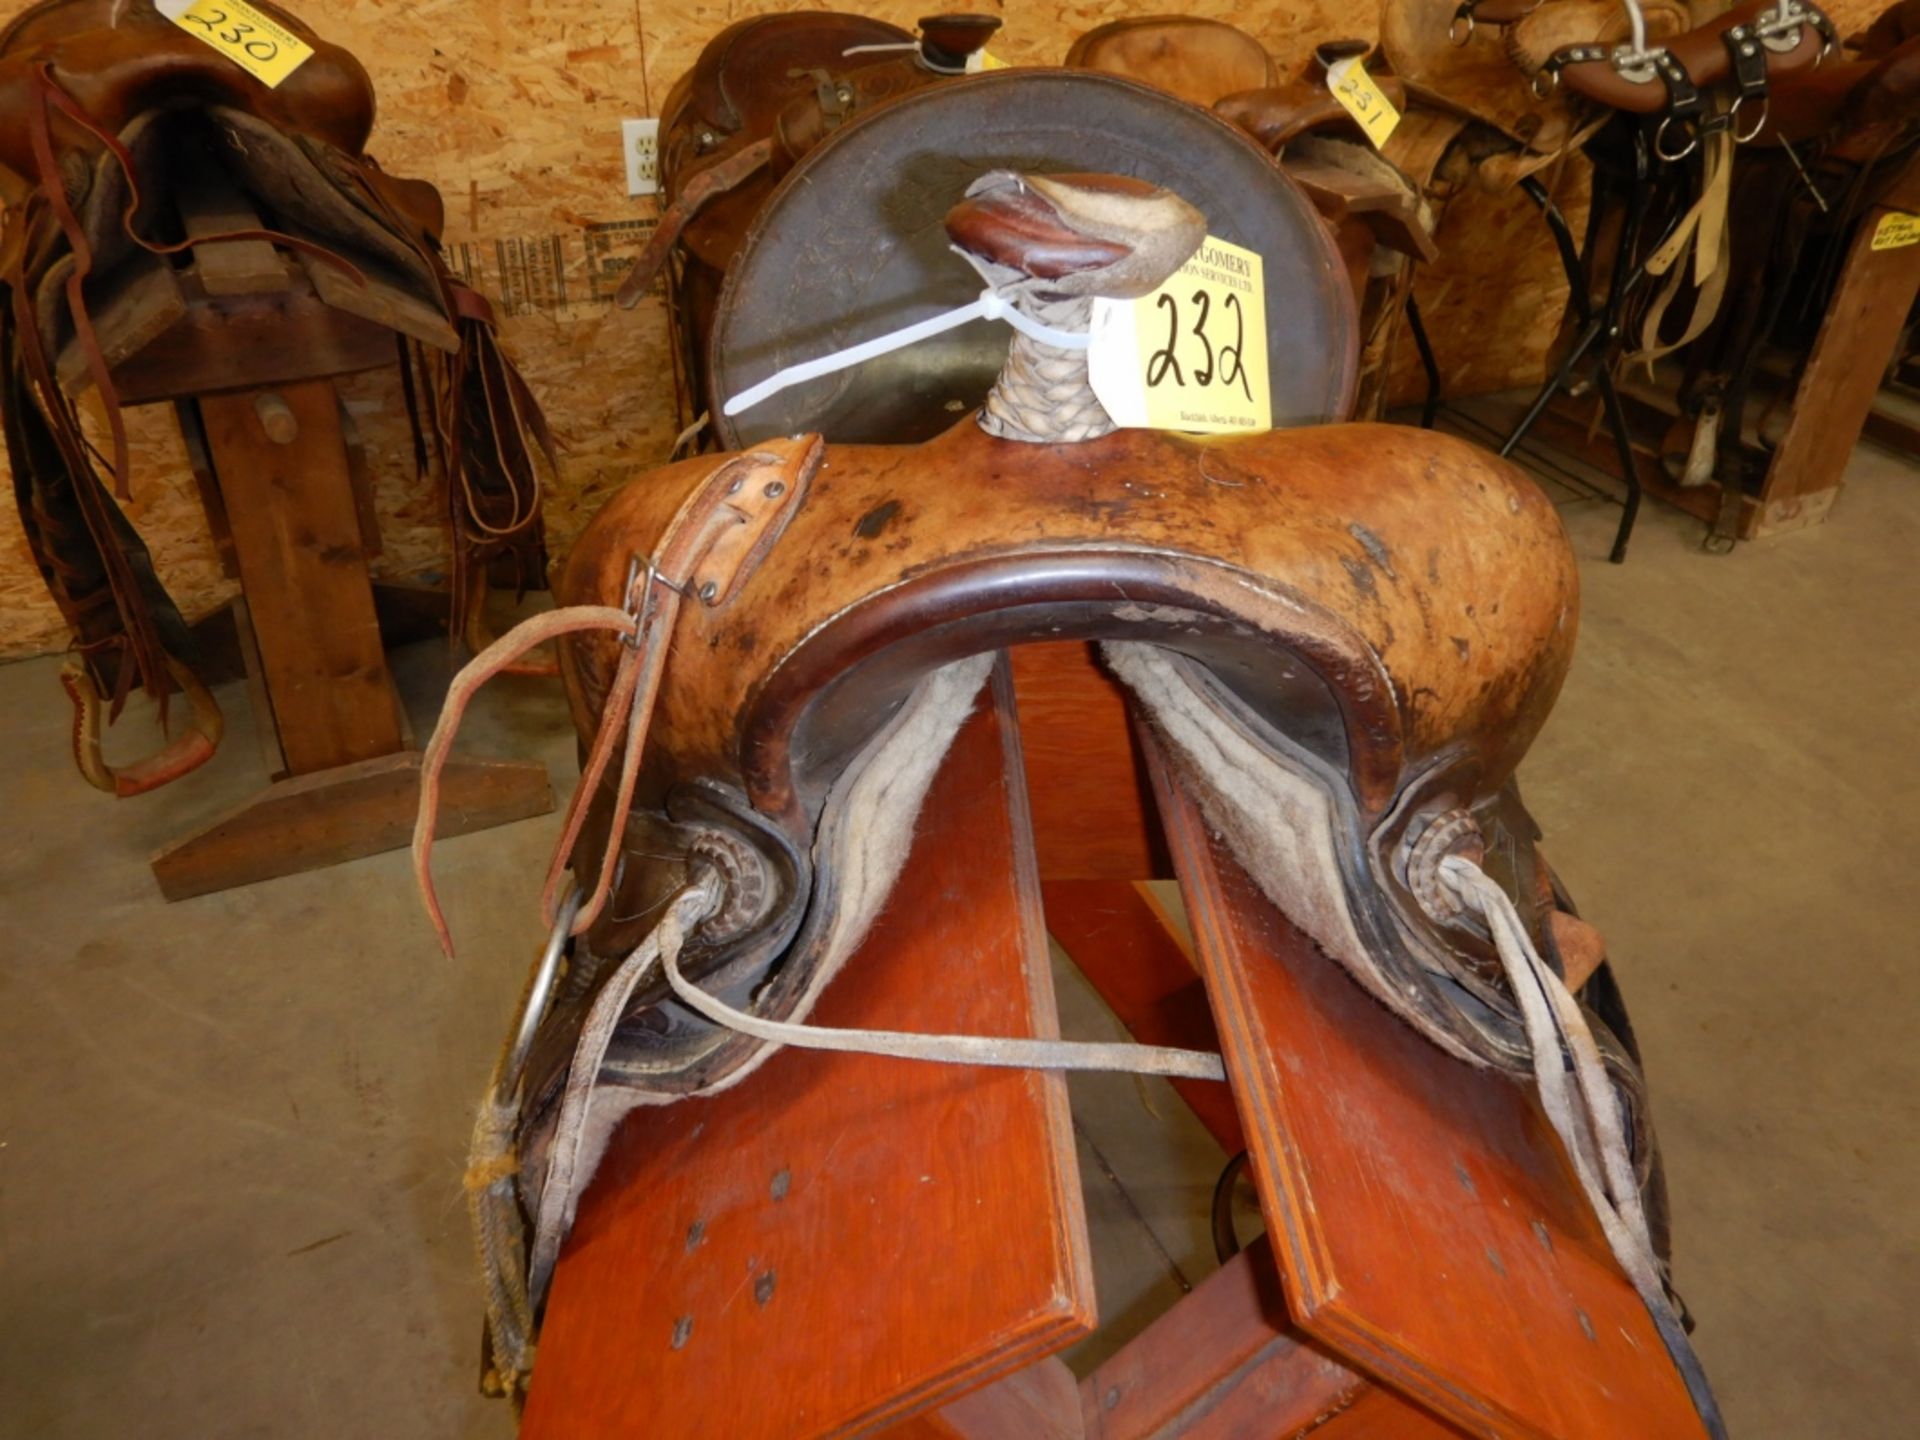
(640, 139)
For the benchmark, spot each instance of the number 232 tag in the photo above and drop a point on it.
(1192, 355)
(257, 43)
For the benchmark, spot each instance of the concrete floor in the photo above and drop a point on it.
(232, 1131)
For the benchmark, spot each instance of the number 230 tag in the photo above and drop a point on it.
(1193, 354)
(257, 43)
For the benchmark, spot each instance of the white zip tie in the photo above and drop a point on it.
(990, 306)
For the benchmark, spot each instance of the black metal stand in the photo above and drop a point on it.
(1430, 410)
(1601, 328)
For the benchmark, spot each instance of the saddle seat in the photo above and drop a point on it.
(1195, 59)
(1699, 57)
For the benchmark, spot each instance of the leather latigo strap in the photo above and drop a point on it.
(104, 100)
(709, 184)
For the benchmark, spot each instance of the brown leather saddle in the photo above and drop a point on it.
(1469, 55)
(1715, 152)
(807, 161)
(763, 93)
(121, 127)
(1196, 59)
(1345, 635)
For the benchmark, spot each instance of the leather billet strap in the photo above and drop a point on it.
(1685, 108)
(711, 183)
(1702, 236)
(1748, 56)
(707, 550)
(57, 504)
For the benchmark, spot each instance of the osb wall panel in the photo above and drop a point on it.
(513, 109)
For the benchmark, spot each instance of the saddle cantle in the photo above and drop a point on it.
(116, 121)
(853, 244)
(1345, 636)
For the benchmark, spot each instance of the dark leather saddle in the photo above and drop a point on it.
(762, 93)
(128, 141)
(1346, 636)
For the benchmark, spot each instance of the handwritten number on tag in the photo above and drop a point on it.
(1166, 357)
(1363, 100)
(1232, 352)
(1221, 362)
(264, 49)
(1192, 355)
(261, 48)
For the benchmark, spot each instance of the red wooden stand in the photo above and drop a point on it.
(859, 1245)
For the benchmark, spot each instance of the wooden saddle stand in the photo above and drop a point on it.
(851, 754)
(850, 1244)
(178, 233)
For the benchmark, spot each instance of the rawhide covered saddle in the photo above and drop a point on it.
(116, 126)
(1344, 636)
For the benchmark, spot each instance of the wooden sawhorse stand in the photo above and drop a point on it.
(245, 342)
(845, 1244)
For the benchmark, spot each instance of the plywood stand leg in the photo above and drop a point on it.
(324, 698)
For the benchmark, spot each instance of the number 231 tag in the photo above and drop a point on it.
(1362, 98)
(257, 43)
(1192, 355)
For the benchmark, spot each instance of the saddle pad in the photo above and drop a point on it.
(854, 244)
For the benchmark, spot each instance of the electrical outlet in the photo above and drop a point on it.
(640, 139)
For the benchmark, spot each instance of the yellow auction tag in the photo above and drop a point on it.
(980, 61)
(1193, 354)
(257, 43)
(1896, 229)
(1363, 99)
